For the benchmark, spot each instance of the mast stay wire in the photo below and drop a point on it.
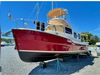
(41, 5)
(43, 10)
(56, 4)
(35, 7)
(38, 10)
(33, 10)
(72, 23)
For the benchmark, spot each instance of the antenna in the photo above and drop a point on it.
(52, 5)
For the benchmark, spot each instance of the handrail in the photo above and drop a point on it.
(14, 19)
(74, 27)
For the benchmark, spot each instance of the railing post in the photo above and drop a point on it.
(23, 23)
(54, 27)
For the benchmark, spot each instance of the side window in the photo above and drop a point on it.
(78, 36)
(68, 30)
(75, 35)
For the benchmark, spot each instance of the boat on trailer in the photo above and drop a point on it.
(58, 39)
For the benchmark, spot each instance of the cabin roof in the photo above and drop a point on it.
(59, 22)
(56, 13)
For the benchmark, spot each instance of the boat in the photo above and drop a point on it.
(12, 42)
(97, 48)
(3, 43)
(44, 43)
(98, 44)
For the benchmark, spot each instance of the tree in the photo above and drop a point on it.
(6, 40)
(91, 39)
(83, 32)
(96, 38)
(99, 39)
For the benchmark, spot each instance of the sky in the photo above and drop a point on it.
(84, 15)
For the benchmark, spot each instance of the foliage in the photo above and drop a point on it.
(92, 39)
(6, 40)
(91, 45)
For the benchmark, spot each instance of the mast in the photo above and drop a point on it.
(52, 5)
(37, 11)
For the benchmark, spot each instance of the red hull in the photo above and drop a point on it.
(35, 40)
(31, 40)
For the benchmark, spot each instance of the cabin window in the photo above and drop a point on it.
(68, 30)
(75, 35)
(78, 36)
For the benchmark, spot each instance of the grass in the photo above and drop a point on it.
(92, 46)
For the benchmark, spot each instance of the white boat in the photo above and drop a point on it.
(98, 44)
(3, 43)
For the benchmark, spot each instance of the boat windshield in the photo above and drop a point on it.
(78, 36)
(75, 35)
(68, 30)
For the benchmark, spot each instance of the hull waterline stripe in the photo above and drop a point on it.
(54, 51)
